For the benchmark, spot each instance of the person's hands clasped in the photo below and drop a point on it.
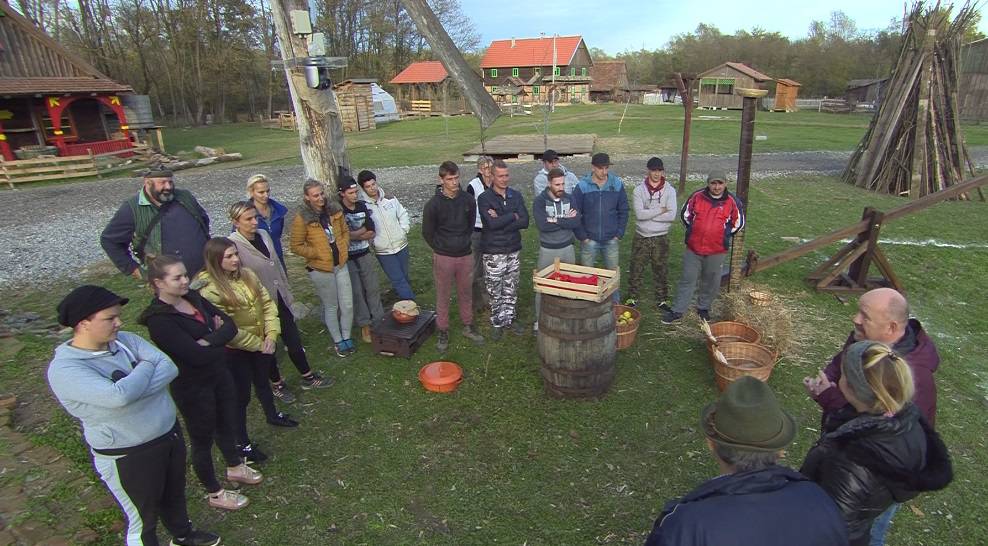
(816, 385)
(268, 347)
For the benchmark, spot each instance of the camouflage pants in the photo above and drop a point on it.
(655, 251)
(501, 275)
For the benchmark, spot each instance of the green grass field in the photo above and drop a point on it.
(645, 130)
(378, 460)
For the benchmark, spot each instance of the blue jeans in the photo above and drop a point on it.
(880, 527)
(590, 249)
(395, 266)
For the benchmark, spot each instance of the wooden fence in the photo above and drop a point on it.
(59, 168)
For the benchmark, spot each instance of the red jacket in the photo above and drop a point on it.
(711, 222)
(923, 360)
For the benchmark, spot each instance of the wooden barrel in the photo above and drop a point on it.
(577, 343)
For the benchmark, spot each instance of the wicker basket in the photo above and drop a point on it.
(626, 332)
(742, 359)
(761, 299)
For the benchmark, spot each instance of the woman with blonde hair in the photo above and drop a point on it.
(319, 233)
(879, 450)
(270, 213)
(257, 253)
(239, 293)
(193, 332)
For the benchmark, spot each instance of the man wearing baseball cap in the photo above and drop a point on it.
(550, 160)
(712, 216)
(601, 199)
(116, 384)
(655, 207)
(753, 500)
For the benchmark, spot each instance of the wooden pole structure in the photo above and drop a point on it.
(685, 86)
(317, 116)
(428, 25)
(750, 98)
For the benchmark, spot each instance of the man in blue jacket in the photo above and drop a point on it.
(754, 500)
(503, 214)
(116, 384)
(601, 199)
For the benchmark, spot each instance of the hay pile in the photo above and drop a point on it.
(774, 320)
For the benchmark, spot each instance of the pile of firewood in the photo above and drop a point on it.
(914, 146)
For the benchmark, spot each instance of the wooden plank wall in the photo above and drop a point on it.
(973, 82)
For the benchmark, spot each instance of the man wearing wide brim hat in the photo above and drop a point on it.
(753, 500)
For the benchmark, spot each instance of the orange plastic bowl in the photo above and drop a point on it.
(441, 376)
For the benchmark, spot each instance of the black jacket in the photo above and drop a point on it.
(447, 224)
(176, 334)
(773, 506)
(502, 235)
(866, 462)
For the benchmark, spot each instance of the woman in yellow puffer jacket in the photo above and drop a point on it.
(238, 292)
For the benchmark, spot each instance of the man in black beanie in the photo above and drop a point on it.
(116, 384)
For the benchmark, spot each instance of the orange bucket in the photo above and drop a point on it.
(441, 376)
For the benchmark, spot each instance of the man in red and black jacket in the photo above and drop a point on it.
(711, 216)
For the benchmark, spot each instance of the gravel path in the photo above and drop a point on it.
(53, 232)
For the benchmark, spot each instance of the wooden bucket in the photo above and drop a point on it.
(626, 332)
(742, 359)
(577, 343)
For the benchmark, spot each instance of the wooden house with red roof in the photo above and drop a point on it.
(427, 81)
(717, 85)
(51, 97)
(527, 70)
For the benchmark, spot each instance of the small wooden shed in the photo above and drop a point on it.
(610, 81)
(355, 98)
(972, 89)
(427, 81)
(868, 91)
(785, 95)
(717, 85)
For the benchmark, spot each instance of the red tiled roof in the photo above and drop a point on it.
(530, 52)
(422, 72)
(790, 83)
(32, 86)
(745, 69)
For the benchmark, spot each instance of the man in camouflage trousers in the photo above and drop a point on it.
(654, 202)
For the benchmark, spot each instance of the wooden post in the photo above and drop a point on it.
(429, 26)
(749, 98)
(317, 116)
(919, 182)
(685, 86)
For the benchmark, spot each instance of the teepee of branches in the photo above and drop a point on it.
(914, 145)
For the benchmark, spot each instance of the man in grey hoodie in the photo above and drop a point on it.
(116, 384)
(556, 219)
(550, 160)
(654, 202)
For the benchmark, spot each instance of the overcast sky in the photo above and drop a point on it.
(620, 25)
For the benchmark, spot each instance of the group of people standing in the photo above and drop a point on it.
(476, 238)
(220, 304)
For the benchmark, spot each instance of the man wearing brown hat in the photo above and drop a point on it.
(753, 500)
(116, 384)
(159, 219)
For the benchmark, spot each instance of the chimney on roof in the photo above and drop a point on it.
(512, 41)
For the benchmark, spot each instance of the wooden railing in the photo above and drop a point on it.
(47, 168)
(99, 147)
(58, 168)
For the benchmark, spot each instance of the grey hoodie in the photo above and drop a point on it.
(654, 214)
(116, 413)
(542, 180)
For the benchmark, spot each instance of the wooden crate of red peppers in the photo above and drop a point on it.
(576, 281)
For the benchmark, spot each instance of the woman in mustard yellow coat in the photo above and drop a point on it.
(320, 235)
(238, 292)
